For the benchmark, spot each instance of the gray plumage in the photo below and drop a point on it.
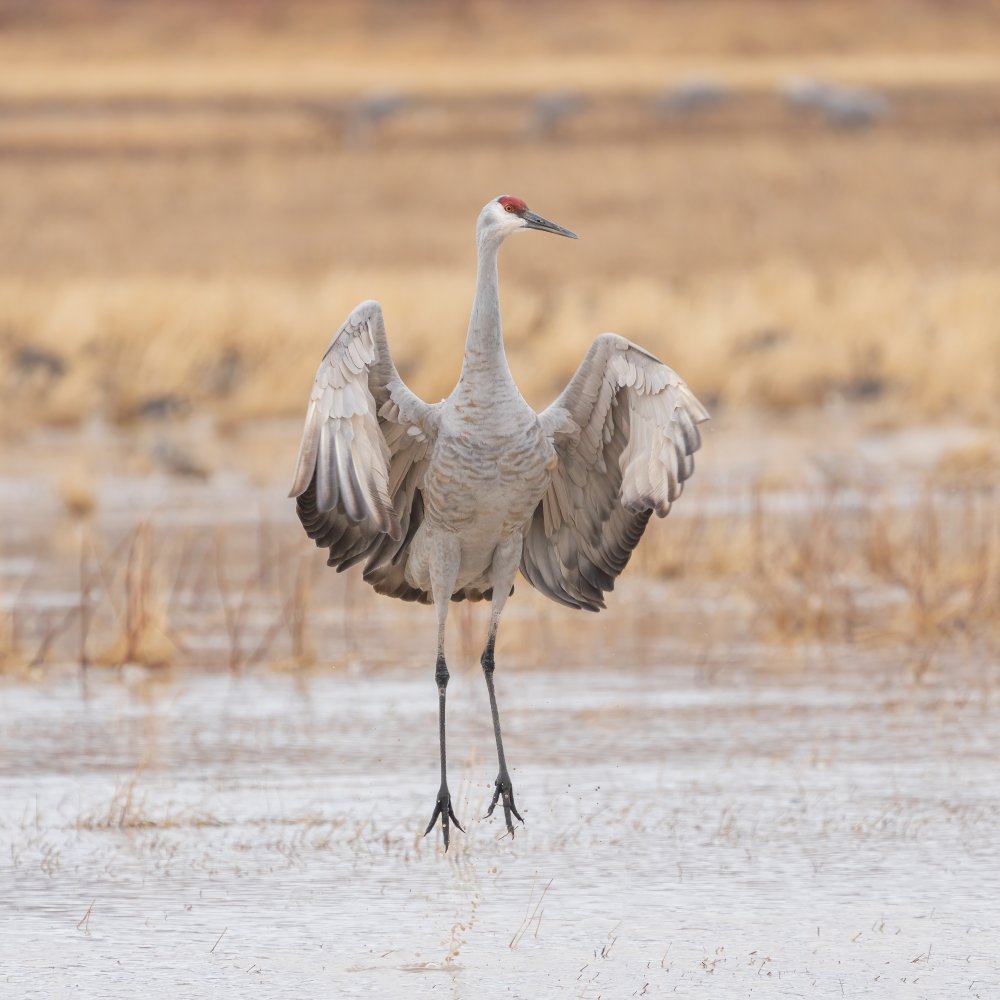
(446, 501)
(692, 96)
(841, 106)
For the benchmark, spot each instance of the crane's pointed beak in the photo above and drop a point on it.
(532, 221)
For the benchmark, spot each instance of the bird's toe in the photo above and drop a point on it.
(444, 809)
(503, 791)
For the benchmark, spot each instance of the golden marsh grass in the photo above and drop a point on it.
(197, 222)
(917, 578)
(776, 336)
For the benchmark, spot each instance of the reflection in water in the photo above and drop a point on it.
(261, 836)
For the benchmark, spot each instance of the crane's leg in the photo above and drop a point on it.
(445, 561)
(505, 562)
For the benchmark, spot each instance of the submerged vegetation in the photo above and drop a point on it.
(915, 575)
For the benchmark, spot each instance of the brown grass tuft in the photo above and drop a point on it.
(849, 567)
(76, 492)
(142, 637)
(973, 468)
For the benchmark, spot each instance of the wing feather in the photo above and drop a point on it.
(327, 490)
(362, 456)
(624, 431)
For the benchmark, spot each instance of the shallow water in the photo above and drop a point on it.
(198, 835)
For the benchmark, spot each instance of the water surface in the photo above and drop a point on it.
(201, 835)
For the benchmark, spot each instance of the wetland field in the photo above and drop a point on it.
(770, 768)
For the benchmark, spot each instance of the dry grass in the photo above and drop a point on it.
(153, 599)
(973, 468)
(863, 571)
(449, 44)
(775, 336)
(193, 222)
(141, 609)
(859, 558)
(915, 576)
(128, 810)
(76, 491)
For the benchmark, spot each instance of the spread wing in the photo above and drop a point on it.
(363, 452)
(625, 430)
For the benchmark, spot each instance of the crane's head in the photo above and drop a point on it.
(506, 214)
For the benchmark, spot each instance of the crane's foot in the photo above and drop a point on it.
(503, 789)
(443, 809)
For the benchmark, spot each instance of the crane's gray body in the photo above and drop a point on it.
(487, 474)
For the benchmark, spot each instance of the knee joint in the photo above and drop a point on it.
(486, 660)
(441, 674)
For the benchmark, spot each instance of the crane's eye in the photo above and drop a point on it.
(508, 208)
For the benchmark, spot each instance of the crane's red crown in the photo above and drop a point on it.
(513, 205)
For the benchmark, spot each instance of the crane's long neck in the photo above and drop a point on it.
(485, 366)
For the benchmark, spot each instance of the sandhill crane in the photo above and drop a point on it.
(554, 107)
(844, 107)
(370, 111)
(443, 502)
(692, 96)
